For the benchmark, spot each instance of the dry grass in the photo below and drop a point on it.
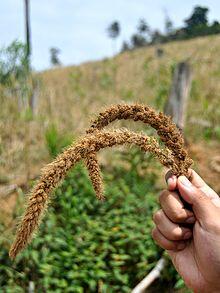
(69, 96)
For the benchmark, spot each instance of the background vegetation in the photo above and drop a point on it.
(195, 25)
(86, 245)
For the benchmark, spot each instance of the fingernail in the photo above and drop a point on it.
(187, 235)
(185, 181)
(169, 181)
(190, 220)
(181, 246)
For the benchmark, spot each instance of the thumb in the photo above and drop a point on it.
(201, 204)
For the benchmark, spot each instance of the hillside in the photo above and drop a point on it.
(69, 97)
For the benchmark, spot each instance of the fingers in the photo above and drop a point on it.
(207, 213)
(166, 243)
(170, 230)
(174, 209)
(196, 180)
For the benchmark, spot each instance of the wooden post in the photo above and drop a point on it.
(27, 29)
(35, 85)
(179, 93)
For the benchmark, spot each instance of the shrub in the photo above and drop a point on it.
(55, 141)
(13, 64)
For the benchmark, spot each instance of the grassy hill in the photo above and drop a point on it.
(137, 76)
(68, 98)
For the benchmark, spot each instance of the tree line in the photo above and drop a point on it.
(197, 24)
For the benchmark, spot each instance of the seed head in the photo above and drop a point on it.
(173, 156)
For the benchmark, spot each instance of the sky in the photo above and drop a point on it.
(78, 27)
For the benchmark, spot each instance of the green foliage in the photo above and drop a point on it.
(54, 56)
(75, 79)
(195, 90)
(210, 133)
(55, 141)
(138, 41)
(84, 245)
(106, 80)
(195, 25)
(217, 132)
(27, 115)
(125, 47)
(107, 77)
(198, 18)
(114, 30)
(127, 94)
(162, 94)
(146, 64)
(137, 164)
(16, 78)
(163, 86)
(13, 63)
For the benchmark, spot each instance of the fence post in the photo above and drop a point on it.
(33, 98)
(179, 93)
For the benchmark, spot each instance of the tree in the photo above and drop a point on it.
(138, 41)
(215, 27)
(168, 25)
(198, 18)
(125, 47)
(156, 37)
(15, 75)
(140, 38)
(143, 28)
(113, 32)
(54, 59)
(13, 64)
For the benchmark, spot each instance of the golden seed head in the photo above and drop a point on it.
(173, 156)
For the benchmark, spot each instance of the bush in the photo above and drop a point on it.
(55, 141)
(84, 245)
(13, 64)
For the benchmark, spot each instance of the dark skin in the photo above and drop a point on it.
(191, 236)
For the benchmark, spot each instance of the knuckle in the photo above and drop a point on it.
(169, 246)
(165, 244)
(157, 216)
(163, 195)
(177, 233)
(178, 215)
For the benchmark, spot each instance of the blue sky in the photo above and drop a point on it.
(78, 27)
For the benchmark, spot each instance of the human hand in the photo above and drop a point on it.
(191, 237)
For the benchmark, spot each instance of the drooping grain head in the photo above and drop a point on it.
(173, 156)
